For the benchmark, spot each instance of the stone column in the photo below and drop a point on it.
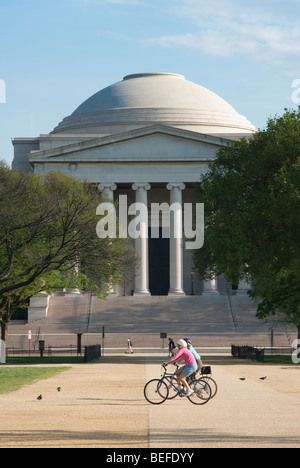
(176, 239)
(244, 287)
(210, 286)
(107, 190)
(141, 243)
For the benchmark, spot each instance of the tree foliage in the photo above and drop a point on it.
(48, 239)
(251, 196)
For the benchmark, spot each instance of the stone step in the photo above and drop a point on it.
(207, 319)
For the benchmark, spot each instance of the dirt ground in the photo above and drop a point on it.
(101, 405)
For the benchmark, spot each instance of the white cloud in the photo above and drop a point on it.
(210, 42)
(263, 30)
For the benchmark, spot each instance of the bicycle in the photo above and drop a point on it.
(206, 374)
(173, 391)
(156, 391)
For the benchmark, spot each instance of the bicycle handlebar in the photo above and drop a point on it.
(165, 364)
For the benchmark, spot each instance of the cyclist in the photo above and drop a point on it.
(189, 368)
(195, 354)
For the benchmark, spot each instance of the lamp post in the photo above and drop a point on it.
(192, 283)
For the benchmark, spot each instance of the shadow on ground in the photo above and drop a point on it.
(208, 360)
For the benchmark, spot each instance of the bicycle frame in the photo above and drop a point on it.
(170, 377)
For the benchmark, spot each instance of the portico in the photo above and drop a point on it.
(176, 238)
(131, 168)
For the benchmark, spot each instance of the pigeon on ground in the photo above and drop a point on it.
(263, 378)
(40, 397)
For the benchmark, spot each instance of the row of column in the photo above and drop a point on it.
(176, 241)
(141, 244)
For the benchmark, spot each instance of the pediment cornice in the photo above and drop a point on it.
(134, 145)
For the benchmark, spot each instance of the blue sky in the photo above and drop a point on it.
(55, 54)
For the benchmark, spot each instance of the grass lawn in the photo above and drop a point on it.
(13, 378)
(279, 360)
(19, 360)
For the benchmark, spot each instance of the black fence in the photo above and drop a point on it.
(248, 352)
(92, 352)
(48, 351)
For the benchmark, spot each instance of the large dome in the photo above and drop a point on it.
(152, 98)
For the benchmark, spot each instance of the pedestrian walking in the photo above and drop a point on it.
(129, 346)
(172, 347)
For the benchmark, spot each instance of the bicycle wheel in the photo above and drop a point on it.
(202, 392)
(156, 392)
(212, 383)
(173, 393)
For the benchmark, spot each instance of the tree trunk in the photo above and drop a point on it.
(4, 331)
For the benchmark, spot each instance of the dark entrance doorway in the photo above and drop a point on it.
(159, 265)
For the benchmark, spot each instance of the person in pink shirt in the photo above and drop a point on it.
(189, 368)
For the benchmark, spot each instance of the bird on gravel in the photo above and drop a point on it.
(263, 378)
(59, 389)
(40, 397)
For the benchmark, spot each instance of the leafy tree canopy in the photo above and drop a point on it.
(48, 238)
(251, 197)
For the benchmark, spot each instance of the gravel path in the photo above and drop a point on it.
(102, 405)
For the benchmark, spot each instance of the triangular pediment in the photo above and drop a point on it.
(151, 143)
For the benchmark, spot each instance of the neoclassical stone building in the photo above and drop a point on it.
(150, 137)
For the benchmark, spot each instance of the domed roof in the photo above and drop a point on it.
(151, 98)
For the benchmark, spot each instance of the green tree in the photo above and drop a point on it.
(251, 196)
(48, 232)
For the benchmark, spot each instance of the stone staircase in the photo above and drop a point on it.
(207, 319)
